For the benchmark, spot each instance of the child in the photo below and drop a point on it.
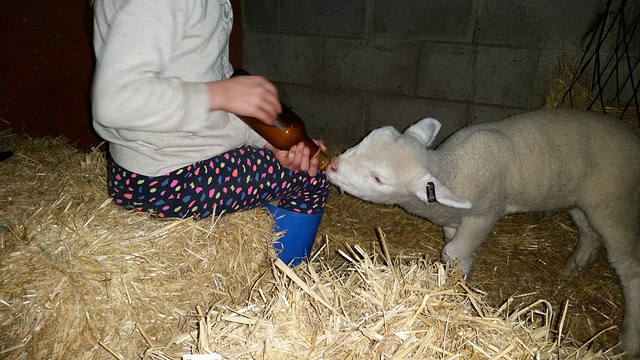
(164, 101)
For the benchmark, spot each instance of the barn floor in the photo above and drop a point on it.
(520, 261)
(65, 247)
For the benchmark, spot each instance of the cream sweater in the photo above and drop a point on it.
(150, 101)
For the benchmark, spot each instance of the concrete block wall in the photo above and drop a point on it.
(349, 66)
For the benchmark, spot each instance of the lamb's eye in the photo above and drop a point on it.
(377, 179)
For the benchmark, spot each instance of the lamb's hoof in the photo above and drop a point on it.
(569, 272)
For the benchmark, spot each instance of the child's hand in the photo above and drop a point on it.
(252, 96)
(297, 158)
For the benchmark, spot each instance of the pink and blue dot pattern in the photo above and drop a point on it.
(237, 180)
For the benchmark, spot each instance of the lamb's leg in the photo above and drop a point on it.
(473, 231)
(449, 233)
(618, 225)
(586, 251)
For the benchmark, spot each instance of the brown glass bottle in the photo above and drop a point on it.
(288, 130)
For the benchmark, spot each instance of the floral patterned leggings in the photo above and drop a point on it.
(240, 179)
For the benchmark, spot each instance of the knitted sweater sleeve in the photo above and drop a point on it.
(134, 88)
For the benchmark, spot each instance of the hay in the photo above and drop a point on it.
(76, 270)
(82, 278)
(557, 94)
(518, 265)
(366, 310)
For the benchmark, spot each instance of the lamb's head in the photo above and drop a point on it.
(375, 169)
(388, 167)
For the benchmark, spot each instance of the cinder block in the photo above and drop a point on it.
(284, 58)
(427, 20)
(578, 16)
(522, 23)
(488, 113)
(401, 112)
(331, 115)
(380, 66)
(447, 72)
(544, 24)
(261, 15)
(382, 61)
(320, 18)
(504, 76)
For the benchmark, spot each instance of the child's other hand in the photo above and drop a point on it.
(297, 158)
(252, 96)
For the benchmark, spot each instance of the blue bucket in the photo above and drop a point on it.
(300, 232)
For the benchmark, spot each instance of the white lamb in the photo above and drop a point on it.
(585, 163)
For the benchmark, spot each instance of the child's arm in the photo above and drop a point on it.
(252, 96)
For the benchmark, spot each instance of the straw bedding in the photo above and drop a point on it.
(76, 270)
(81, 278)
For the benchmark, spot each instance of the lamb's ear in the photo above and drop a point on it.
(424, 130)
(429, 189)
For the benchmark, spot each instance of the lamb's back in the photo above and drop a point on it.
(543, 160)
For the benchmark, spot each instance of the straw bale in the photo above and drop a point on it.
(76, 270)
(82, 278)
